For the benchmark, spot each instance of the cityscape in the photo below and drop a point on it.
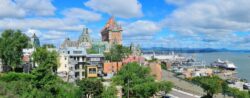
(124, 49)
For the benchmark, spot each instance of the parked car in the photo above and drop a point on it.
(246, 86)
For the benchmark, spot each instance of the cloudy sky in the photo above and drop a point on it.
(150, 23)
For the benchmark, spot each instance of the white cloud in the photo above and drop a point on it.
(41, 23)
(77, 13)
(38, 7)
(180, 2)
(210, 19)
(141, 28)
(10, 9)
(54, 35)
(22, 8)
(48, 36)
(118, 8)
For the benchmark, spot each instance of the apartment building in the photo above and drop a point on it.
(72, 63)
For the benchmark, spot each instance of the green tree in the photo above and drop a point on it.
(11, 45)
(211, 85)
(41, 83)
(92, 51)
(137, 81)
(42, 56)
(110, 92)
(49, 46)
(117, 53)
(236, 93)
(90, 88)
(164, 66)
(165, 86)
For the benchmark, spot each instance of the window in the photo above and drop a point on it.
(68, 52)
(92, 70)
(76, 66)
(77, 58)
(77, 52)
(83, 73)
(76, 74)
(65, 58)
(83, 67)
(94, 59)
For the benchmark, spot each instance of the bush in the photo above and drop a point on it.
(12, 76)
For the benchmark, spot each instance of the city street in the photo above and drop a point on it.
(180, 94)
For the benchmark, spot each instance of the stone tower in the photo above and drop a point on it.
(35, 41)
(85, 40)
(112, 32)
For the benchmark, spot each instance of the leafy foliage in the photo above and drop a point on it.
(92, 51)
(41, 83)
(211, 85)
(110, 92)
(164, 66)
(137, 81)
(42, 56)
(49, 46)
(117, 53)
(91, 87)
(236, 93)
(11, 45)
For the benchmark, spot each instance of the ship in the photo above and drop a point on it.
(224, 64)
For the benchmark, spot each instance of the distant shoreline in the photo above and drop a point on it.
(188, 50)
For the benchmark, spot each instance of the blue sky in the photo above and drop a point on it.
(150, 23)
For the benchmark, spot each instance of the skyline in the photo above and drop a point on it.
(157, 23)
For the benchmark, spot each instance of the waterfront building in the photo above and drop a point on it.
(196, 72)
(112, 32)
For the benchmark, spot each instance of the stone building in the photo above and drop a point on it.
(83, 41)
(112, 32)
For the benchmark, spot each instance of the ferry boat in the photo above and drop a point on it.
(224, 64)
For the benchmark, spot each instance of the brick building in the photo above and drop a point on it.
(111, 32)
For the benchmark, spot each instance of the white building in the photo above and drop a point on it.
(72, 61)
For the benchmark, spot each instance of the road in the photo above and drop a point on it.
(180, 94)
(184, 87)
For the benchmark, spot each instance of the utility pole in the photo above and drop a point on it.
(128, 88)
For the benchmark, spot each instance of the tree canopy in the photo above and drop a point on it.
(48, 46)
(11, 44)
(44, 57)
(137, 82)
(117, 53)
(41, 83)
(90, 88)
(211, 85)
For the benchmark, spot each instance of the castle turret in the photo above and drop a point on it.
(35, 41)
(111, 32)
(85, 40)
